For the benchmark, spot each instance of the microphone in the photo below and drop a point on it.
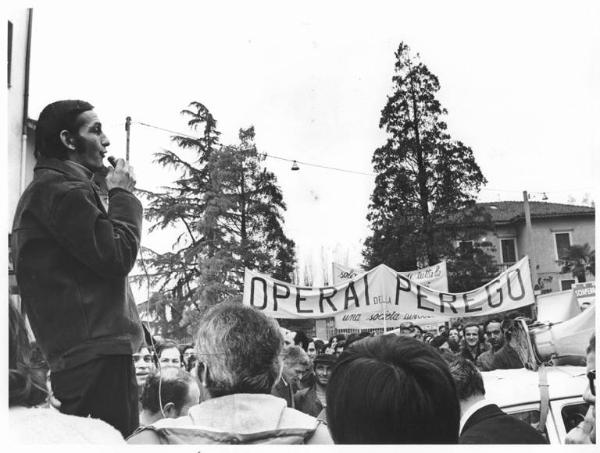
(112, 161)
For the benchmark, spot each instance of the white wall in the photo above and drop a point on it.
(15, 103)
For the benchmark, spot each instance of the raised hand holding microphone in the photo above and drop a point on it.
(120, 175)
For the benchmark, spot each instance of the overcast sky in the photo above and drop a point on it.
(520, 80)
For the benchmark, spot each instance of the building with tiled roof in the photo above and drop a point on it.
(555, 227)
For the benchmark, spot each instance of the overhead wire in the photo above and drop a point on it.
(309, 164)
(344, 170)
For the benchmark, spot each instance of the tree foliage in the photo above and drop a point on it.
(426, 182)
(578, 260)
(227, 209)
(471, 266)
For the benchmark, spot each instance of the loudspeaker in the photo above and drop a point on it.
(564, 342)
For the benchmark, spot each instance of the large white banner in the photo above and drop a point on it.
(382, 295)
(434, 277)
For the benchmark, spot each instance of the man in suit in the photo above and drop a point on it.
(481, 421)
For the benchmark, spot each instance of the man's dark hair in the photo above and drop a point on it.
(327, 359)
(467, 378)
(496, 320)
(56, 117)
(392, 390)
(319, 346)
(300, 339)
(174, 386)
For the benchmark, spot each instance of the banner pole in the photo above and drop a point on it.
(384, 318)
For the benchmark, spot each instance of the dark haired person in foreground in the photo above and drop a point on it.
(72, 257)
(392, 390)
(482, 422)
(29, 421)
(238, 364)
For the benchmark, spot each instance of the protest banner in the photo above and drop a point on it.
(361, 298)
(434, 277)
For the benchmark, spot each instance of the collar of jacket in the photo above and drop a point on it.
(66, 167)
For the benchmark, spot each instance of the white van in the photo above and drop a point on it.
(518, 393)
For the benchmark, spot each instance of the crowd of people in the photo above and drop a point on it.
(240, 383)
(95, 376)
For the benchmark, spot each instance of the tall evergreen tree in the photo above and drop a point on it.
(228, 210)
(426, 182)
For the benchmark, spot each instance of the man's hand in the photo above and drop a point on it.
(120, 176)
(585, 432)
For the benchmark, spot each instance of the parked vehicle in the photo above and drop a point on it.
(518, 393)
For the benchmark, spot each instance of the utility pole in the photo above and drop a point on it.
(128, 135)
(530, 245)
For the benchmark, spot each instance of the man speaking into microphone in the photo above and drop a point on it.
(72, 257)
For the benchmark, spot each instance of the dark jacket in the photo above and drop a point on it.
(490, 425)
(71, 260)
(466, 353)
(506, 358)
(306, 401)
(283, 390)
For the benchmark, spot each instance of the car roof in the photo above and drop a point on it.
(511, 387)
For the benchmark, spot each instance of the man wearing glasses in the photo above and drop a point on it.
(501, 355)
(585, 432)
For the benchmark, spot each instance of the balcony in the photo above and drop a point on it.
(503, 267)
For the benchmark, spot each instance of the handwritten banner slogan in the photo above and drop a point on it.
(382, 293)
(434, 277)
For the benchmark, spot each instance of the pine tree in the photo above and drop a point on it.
(426, 182)
(227, 209)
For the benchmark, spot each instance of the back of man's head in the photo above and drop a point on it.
(238, 350)
(56, 117)
(176, 385)
(467, 378)
(392, 390)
